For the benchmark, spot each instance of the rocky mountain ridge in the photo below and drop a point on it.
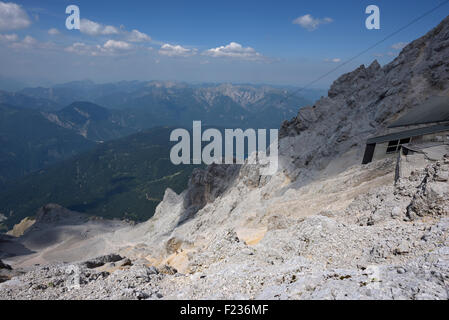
(66, 94)
(323, 227)
(89, 120)
(363, 102)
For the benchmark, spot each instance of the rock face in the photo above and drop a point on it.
(206, 185)
(433, 192)
(6, 272)
(4, 266)
(422, 194)
(322, 227)
(365, 101)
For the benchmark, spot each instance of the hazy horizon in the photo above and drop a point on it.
(19, 84)
(256, 42)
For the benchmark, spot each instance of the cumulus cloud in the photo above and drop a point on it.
(12, 16)
(8, 37)
(29, 43)
(137, 36)
(110, 47)
(29, 40)
(310, 23)
(53, 32)
(399, 45)
(117, 45)
(93, 28)
(176, 51)
(234, 50)
(79, 48)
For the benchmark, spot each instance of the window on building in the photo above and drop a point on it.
(395, 145)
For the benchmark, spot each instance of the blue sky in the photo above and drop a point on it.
(201, 41)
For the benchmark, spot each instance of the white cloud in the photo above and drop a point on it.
(399, 45)
(30, 43)
(234, 50)
(27, 43)
(79, 48)
(117, 45)
(310, 23)
(335, 60)
(109, 48)
(176, 51)
(12, 16)
(29, 40)
(9, 37)
(93, 28)
(53, 32)
(137, 36)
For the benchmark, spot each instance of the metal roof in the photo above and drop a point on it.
(435, 109)
(409, 133)
(419, 147)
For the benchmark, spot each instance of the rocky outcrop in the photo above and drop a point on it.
(433, 192)
(207, 185)
(70, 281)
(4, 266)
(100, 261)
(363, 102)
(424, 193)
(6, 272)
(53, 213)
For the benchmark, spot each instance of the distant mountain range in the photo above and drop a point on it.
(73, 117)
(148, 104)
(79, 123)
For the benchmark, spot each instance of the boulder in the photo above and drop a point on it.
(100, 261)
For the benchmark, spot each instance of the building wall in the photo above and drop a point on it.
(380, 152)
(437, 137)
